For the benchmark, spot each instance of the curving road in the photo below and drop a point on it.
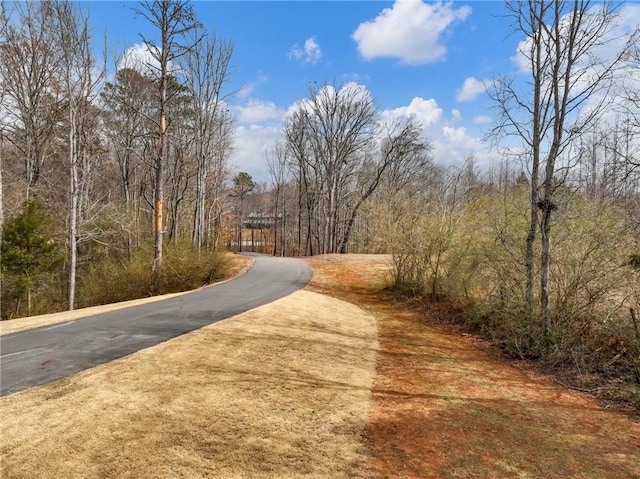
(38, 356)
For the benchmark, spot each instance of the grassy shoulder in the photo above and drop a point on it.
(105, 279)
(445, 405)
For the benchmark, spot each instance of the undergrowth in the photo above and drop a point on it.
(471, 255)
(113, 280)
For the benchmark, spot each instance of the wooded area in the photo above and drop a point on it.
(107, 171)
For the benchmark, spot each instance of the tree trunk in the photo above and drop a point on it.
(545, 259)
(530, 250)
(1, 192)
(159, 190)
(199, 216)
(73, 207)
(275, 221)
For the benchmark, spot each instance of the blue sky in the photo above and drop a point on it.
(429, 59)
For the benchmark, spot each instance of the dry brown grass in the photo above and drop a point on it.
(281, 391)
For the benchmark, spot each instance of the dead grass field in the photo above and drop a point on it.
(282, 391)
(315, 387)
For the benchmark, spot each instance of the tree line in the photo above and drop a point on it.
(114, 158)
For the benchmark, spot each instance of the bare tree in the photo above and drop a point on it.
(243, 184)
(402, 150)
(337, 129)
(174, 20)
(342, 152)
(206, 68)
(277, 161)
(81, 77)
(4, 20)
(129, 102)
(180, 160)
(568, 89)
(307, 177)
(29, 62)
(219, 173)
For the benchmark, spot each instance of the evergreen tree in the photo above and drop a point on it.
(28, 250)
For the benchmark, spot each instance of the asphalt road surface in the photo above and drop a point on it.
(38, 356)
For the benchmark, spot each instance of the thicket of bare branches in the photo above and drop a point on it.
(338, 152)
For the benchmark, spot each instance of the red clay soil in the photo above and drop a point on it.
(446, 406)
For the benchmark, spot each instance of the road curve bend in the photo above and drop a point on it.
(41, 355)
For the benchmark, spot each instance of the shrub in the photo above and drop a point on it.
(114, 280)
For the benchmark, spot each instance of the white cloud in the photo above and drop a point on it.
(311, 53)
(410, 30)
(139, 58)
(257, 111)
(246, 90)
(355, 77)
(427, 112)
(471, 88)
(451, 145)
(250, 146)
(455, 135)
(259, 125)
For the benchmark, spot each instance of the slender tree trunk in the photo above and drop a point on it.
(283, 226)
(1, 191)
(300, 205)
(199, 217)
(545, 258)
(330, 220)
(536, 63)
(530, 248)
(159, 179)
(275, 221)
(240, 227)
(349, 228)
(73, 207)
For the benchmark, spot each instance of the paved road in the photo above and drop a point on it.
(38, 356)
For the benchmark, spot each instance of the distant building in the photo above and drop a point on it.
(260, 221)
